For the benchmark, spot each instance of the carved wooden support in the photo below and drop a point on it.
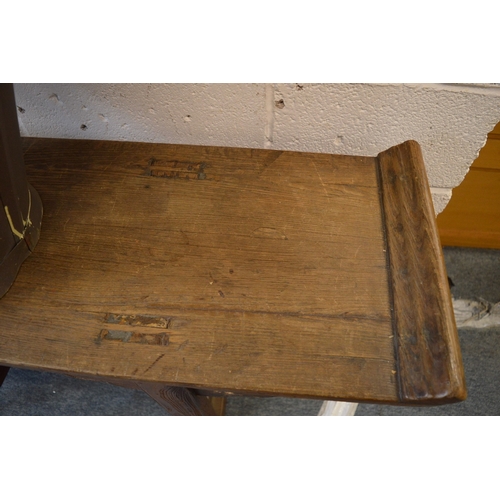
(179, 401)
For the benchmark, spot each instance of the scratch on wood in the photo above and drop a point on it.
(320, 179)
(113, 207)
(269, 232)
(154, 362)
(183, 345)
(220, 349)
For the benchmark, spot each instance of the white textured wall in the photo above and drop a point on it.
(449, 121)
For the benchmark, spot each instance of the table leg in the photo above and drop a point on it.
(180, 401)
(3, 373)
(337, 409)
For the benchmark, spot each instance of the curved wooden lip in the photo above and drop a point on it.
(428, 358)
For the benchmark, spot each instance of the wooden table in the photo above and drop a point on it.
(191, 271)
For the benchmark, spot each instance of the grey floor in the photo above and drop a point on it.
(475, 274)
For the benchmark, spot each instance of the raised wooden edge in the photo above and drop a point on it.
(428, 358)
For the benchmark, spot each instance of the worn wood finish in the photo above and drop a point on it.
(427, 348)
(237, 270)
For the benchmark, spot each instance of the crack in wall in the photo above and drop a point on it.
(269, 127)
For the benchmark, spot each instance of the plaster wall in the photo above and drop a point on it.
(450, 122)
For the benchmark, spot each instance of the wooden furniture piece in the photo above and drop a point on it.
(472, 217)
(4, 370)
(20, 205)
(194, 271)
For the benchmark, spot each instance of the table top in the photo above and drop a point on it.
(237, 270)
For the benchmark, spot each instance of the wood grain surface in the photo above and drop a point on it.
(427, 348)
(248, 271)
